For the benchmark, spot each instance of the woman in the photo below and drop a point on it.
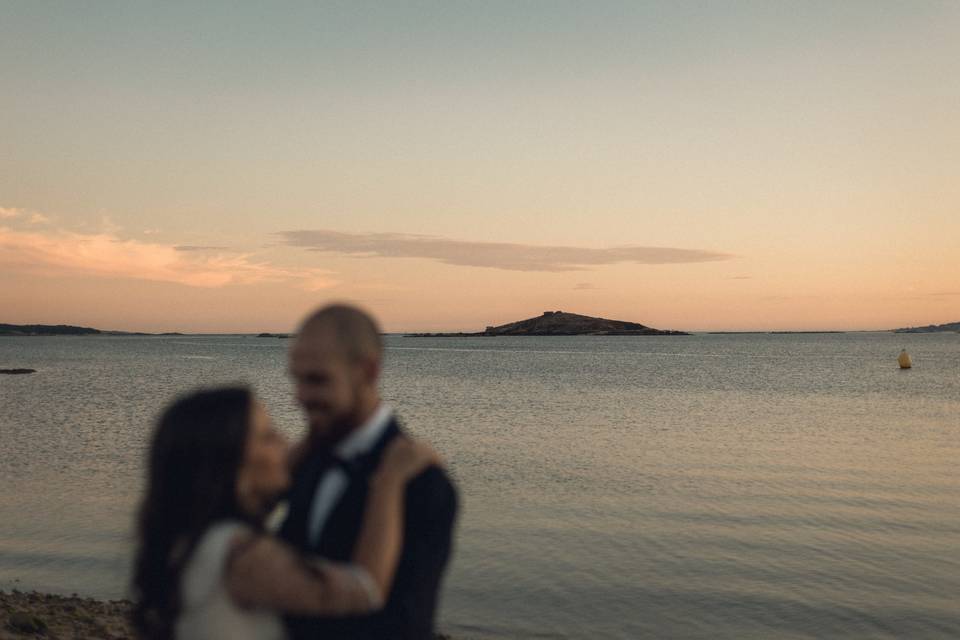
(207, 569)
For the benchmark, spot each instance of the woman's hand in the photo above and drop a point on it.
(406, 458)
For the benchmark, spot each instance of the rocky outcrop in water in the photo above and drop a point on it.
(14, 372)
(559, 323)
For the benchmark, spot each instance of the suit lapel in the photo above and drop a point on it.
(305, 484)
(342, 527)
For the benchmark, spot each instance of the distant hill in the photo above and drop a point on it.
(65, 330)
(931, 328)
(45, 330)
(558, 323)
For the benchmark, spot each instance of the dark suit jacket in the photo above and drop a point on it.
(431, 507)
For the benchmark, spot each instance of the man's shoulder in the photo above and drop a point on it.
(433, 486)
(433, 478)
(433, 495)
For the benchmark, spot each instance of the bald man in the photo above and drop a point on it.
(335, 362)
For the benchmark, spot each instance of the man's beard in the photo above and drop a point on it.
(333, 432)
(336, 427)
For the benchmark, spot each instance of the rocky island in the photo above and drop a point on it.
(559, 323)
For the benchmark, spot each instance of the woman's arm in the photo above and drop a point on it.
(266, 572)
(380, 541)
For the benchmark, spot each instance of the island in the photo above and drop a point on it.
(950, 327)
(559, 323)
(46, 330)
(68, 330)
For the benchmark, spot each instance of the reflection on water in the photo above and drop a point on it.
(707, 486)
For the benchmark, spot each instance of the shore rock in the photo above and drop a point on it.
(44, 615)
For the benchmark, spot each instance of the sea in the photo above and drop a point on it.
(620, 487)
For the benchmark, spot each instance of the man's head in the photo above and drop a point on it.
(335, 363)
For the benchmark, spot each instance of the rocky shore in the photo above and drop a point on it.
(43, 615)
(29, 614)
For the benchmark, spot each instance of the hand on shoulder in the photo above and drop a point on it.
(405, 458)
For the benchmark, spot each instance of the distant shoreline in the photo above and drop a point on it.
(406, 334)
(37, 330)
(34, 331)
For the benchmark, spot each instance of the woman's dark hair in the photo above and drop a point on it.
(195, 455)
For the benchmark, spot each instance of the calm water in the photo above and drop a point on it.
(792, 486)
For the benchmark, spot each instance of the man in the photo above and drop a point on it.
(335, 362)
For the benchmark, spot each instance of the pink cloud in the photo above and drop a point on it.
(105, 255)
(32, 217)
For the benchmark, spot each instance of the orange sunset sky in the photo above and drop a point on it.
(694, 166)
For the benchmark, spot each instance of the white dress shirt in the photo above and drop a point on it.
(334, 481)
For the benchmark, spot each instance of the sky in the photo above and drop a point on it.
(449, 165)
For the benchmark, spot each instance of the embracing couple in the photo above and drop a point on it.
(367, 534)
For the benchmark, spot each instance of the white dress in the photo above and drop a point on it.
(208, 612)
